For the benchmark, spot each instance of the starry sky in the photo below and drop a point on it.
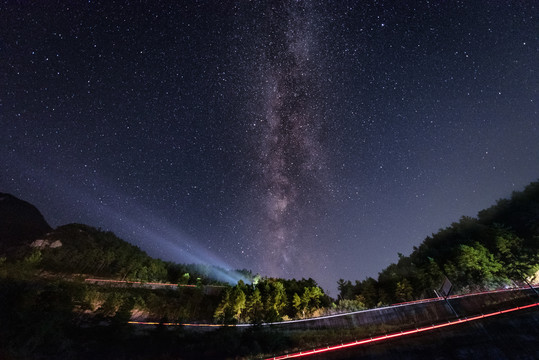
(293, 138)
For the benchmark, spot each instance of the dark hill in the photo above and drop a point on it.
(78, 248)
(85, 249)
(82, 249)
(20, 223)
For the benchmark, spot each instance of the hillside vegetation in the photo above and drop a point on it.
(497, 248)
(82, 249)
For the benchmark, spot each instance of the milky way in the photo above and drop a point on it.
(291, 154)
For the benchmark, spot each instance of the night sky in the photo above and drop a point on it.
(293, 138)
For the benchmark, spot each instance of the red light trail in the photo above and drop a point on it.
(135, 282)
(399, 334)
(174, 324)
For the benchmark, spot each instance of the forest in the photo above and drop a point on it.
(498, 248)
(87, 250)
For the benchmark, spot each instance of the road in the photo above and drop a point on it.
(399, 334)
(319, 319)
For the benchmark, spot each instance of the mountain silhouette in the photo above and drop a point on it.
(20, 223)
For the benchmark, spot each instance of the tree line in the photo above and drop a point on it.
(87, 250)
(270, 300)
(497, 248)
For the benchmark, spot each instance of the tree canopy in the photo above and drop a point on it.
(499, 246)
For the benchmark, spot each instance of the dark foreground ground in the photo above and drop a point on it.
(510, 336)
